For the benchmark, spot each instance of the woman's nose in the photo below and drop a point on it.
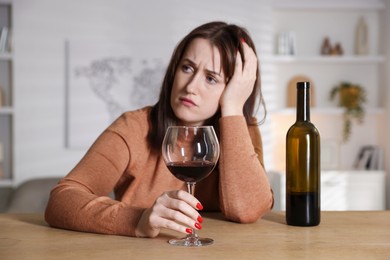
(193, 84)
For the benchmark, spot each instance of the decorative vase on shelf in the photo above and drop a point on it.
(286, 43)
(337, 49)
(361, 37)
(351, 98)
(326, 47)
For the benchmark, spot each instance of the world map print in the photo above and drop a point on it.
(104, 75)
(100, 88)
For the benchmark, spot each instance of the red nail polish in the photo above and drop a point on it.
(198, 226)
(189, 230)
(199, 206)
(242, 40)
(200, 219)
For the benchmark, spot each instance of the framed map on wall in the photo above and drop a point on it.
(105, 79)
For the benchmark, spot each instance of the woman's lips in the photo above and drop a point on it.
(187, 101)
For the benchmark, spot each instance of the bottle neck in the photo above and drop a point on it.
(303, 103)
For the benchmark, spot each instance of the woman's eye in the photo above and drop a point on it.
(187, 68)
(211, 80)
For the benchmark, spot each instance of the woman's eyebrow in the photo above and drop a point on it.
(209, 71)
(214, 73)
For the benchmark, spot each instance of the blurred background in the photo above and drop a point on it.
(68, 68)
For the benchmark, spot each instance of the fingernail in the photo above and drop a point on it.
(198, 226)
(199, 206)
(242, 40)
(200, 219)
(189, 230)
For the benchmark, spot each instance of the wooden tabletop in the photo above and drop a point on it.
(341, 235)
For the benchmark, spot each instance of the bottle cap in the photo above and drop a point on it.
(303, 85)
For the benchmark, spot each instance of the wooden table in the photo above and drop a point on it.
(341, 235)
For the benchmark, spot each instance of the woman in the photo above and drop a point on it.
(212, 79)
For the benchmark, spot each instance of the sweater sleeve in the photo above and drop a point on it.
(80, 202)
(245, 192)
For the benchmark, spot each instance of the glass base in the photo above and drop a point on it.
(191, 240)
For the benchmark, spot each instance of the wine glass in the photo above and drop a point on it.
(190, 153)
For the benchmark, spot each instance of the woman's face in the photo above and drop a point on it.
(198, 84)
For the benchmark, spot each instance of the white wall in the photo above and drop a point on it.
(40, 30)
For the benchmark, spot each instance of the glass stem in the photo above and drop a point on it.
(191, 190)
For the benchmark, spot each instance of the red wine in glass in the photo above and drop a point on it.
(191, 171)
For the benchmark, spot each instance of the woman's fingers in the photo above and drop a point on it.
(175, 210)
(250, 64)
(238, 69)
(179, 206)
(178, 221)
(240, 86)
(182, 200)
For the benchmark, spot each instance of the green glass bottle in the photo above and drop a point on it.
(303, 165)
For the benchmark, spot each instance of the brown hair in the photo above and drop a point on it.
(227, 39)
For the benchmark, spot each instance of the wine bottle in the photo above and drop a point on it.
(303, 165)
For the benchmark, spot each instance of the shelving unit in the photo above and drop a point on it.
(6, 110)
(337, 20)
(326, 59)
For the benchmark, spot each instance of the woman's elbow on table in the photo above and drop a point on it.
(244, 217)
(50, 216)
(248, 214)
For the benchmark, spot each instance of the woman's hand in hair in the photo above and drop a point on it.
(175, 210)
(240, 86)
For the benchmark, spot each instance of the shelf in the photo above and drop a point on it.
(326, 111)
(330, 5)
(5, 56)
(325, 59)
(6, 183)
(6, 110)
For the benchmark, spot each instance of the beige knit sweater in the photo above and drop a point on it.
(120, 160)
